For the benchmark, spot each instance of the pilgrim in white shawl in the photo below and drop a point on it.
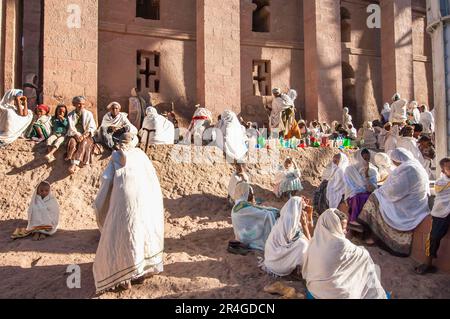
(156, 129)
(360, 181)
(252, 224)
(367, 136)
(287, 179)
(346, 117)
(130, 215)
(282, 111)
(398, 110)
(14, 116)
(408, 142)
(201, 120)
(82, 129)
(386, 112)
(136, 108)
(351, 131)
(382, 135)
(240, 175)
(114, 124)
(335, 268)
(427, 121)
(231, 137)
(395, 209)
(288, 241)
(334, 175)
(441, 218)
(43, 214)
(392, 137)
(413, 113)
(384, 164)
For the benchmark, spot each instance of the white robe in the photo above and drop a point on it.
(234, 180)
(441, 208)
(398, 111)
(403, 197)
(88, 123)
(201, 119)
(43, 212)
(392, 137)
(233, 139)
(335, 268)
(355, 182)
(121, 120)
(410, 144)
(336, 182)
(384, 165)
(12, 125)
(164, 130)
(286, 245)
(427, 120)
(130, 215)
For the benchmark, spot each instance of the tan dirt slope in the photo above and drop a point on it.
(198, 227)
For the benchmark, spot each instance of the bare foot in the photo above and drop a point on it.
(42, 236)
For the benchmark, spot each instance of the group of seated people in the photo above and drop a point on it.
(352, 194)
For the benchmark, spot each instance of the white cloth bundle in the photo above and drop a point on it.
(286, 245)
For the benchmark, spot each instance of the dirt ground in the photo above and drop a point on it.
(198, 228)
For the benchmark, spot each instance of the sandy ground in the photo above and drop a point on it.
(198, 228)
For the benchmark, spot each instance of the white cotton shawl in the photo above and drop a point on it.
(367, 133)
(441, 208)
(336, 182)
(386, 111)
(43, 212)
(355, 181)
(398, 111)
(164, 129)
(234, 181)
(403, 197)
(12, 125)
(384, 164)
(427, 121)
(130, 214)
(198, 126)
(335, 268)
(286, 245)
(88, 123)
(233, 139)
(392, 137)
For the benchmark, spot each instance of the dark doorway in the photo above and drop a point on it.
(348, 91)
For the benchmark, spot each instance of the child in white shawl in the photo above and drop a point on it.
(43, 214)
(240, 175)
(287, 180)
(335, 268)
(441, 218)
(288, 241)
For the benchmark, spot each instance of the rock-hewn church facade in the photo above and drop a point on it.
(222, 54)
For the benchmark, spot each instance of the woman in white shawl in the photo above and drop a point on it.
(408, 142)
(81, 132)
(114, 124)
(413, 113)
(130, 215)
(427, 121)
(360, 181)
(399, 206)
(201, 120)
(252, 224)
(14, 116)
(232, 138)
(287, 179)
(288, 241)
(336, 182)
(156, 129)
(335, 268)
(385, 113)
(367, 136)
(391, 140)
(347, 118)
(398, 110)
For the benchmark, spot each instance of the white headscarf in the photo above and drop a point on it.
(286, 245)
(164, 129)
(355, 180)
(384, 164)
(7, 101)
(403, 197)
(43, 212)
(233, 140)
(336, 182)
(12, 125)
(335, 268)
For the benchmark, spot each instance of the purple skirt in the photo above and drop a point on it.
(356, 204)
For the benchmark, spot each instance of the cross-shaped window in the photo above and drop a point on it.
(261, 78)
(148, 71)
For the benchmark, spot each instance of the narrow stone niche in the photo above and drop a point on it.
(261, 16)
(148, 9)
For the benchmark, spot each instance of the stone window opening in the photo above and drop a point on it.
(148, 65)
(346, 26)
(261, 16)
(148, 9)
(349, 91)
(261, 78)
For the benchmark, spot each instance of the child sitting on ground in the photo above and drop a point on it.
(41, 128)
(441, 218)
(287, 180)
(240, 175)
(43, 215)
(60, 123)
